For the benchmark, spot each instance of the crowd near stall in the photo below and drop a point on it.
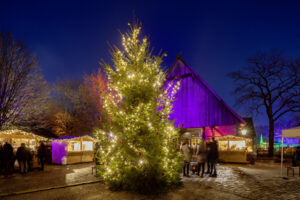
(21, 149)
(25, 151)
(201, 114)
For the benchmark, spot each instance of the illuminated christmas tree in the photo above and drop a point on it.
(139, 145)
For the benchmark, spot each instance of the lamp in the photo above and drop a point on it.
(244, 131)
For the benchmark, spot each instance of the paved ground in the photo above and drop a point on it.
(234, 182)
(53, 175)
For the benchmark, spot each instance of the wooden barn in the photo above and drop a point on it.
(201, 113)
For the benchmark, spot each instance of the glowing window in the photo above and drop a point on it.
(223, 145)
(74, 146)
(87, 146)
(237, 145)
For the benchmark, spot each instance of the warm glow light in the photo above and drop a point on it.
(138, 110)
(87, 146)
(237, 145)
(244, 131)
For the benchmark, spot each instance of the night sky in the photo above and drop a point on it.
(214, 37)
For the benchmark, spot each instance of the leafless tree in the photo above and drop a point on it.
(34, 114)
(22, 87)
(270, 81)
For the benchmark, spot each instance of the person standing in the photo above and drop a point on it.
(187, 156)
(1, 158)
(208, 156)
(29, 156)
(214, 158)
(22, 158)
(8, 157)
(201, 157)
(42, 154)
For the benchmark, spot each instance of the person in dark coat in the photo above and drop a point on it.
(22, 158)
(1, 159)
(8, 157)
(29, 156)
(201, 157)
(42, 154)
(208, 158)
(214, 155)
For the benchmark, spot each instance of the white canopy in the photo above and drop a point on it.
(290, 133)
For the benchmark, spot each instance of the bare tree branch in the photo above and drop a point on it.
(18, 68)
(272, 81)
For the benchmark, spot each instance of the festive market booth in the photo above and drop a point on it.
(202, 114)
(73, 149)
(238, 148)
(16, 137)
(289, 133)
(234, 149)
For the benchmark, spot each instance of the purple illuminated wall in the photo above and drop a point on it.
(58, 151)
(219, 131)
(196, 104)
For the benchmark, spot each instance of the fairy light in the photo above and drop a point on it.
(135, 69)
(141, 162)
(21, 132)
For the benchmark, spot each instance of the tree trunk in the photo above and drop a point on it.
(271, 137)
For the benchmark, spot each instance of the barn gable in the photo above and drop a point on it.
(197, 105)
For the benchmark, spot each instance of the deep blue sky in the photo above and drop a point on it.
(215, 37)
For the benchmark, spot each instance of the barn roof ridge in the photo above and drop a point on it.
(207, 86)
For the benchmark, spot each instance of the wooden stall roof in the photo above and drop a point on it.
(16, 133)
(232, 138)
(76, 138)
(197, 105)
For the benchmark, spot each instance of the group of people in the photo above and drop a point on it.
(207, 152)
(23, 155)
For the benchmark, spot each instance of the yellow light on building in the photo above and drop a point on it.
(244, 131)
(237, 145)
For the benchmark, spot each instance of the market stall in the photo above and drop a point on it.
(234, 149)
(289, 133)
(16, 137)
(193, 136)
(73, 149)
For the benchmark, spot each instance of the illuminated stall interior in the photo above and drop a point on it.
(73, 149)
(234, 148)
(16, 137)
(231, 143)
(194, 137)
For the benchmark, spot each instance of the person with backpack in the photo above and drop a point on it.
(187, 156)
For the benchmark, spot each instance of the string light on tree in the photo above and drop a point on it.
(144, 139)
